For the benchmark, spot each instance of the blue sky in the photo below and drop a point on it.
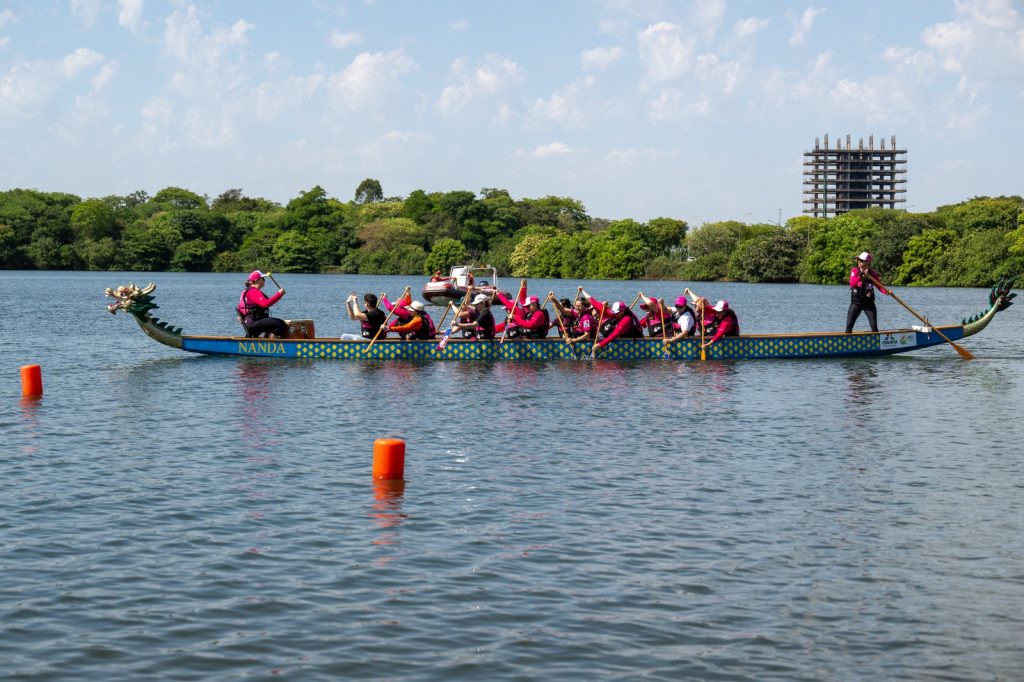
(692, 110)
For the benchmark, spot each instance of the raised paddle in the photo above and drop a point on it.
(390, 313)
(271, 276)
(964, 353)
(446, 309)
(511, 311)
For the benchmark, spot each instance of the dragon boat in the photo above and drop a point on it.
(140, 302)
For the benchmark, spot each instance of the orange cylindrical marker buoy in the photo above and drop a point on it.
(388, 459)
(31, 381)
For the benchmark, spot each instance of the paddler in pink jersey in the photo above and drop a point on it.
(618, 321)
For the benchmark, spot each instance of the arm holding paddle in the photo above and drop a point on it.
(964, 353)
(391, 311)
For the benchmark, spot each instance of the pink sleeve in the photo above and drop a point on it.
(505, 300)
(724, 328)
(598, 306)
(620, 328)
(855, 278)
(400, 311)
(259, 298)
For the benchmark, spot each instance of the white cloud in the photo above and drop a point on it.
(709, 14)
(804, 25)
(341, 40)
(612, 26)
(4, 40)
(270, 99)
(394, 142)
(494, 76)
(552, 149)
(129, 14)
(370, 75)
(457, 26)
(78, 61)
(566, 107)
(7, 17)
(750, 26)
(664, 51)
(600, 57)
(717, 74)
(27, 86)
(86, 10)
(157, 117)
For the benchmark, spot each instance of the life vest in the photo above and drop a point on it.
(427, 330)
(865, 293)
(577, 325)
(712, 328)
(251, 312)
(678, 315)
(367, 328)
(635, 330)
(654, 324)
(542, 331)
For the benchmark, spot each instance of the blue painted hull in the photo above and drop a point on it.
(764, 346)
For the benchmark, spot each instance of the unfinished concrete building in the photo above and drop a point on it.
(841, 179)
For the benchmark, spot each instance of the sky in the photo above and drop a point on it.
(639, 109)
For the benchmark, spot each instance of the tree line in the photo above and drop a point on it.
(971, 243)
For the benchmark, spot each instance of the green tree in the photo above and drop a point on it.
(94, 219)
(920, 265)
(193, 256)
(714, 238)
(833, 245)
(445, 254)
(150, 244)
(771, 257)
(369, 191)
(524, 253)
(668, 235)
(293, 252)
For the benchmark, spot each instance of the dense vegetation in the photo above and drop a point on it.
(967, 244)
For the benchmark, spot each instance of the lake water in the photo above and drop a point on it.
(171, 516)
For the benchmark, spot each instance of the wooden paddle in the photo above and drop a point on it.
(703, 353)
(448, 332)
(447, 308)
(512, 310)
(964, 353)
(600, 319)
(561, 325)
(271, 276)
(390, 313)
(664, 327)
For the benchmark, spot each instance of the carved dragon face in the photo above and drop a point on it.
(131, 298)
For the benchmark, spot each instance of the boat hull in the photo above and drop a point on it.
(777, 346)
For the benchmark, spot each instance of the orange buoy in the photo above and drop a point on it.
(388, 459)
(31, 381)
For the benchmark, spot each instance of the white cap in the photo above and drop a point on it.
(617, 307)
(721, 306)
(864, 256)
(480, 298)
(417, 306)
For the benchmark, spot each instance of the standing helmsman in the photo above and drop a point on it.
(862, 292)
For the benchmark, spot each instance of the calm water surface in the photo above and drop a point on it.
(171, 516)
